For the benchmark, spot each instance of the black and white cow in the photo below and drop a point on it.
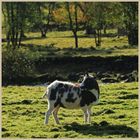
(72, 96)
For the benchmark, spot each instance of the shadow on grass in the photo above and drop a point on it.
(102, 129)
(47, 37)
(134, 96)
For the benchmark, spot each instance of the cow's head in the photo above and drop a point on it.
(88, 82)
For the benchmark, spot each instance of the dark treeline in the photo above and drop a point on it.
(93, 17)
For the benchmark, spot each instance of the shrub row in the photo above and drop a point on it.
(15, 64)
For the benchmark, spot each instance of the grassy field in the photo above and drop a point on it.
(66, 40)
(116, 116)
(62, 43)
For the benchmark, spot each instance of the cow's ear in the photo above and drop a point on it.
(86, 74)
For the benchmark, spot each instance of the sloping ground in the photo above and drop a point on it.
(71, 68)
(116, 63)
(116, 116)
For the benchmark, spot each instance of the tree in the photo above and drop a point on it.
(14, 18)
(43, 16)
(73, 23)
(125, 16)
(130, 19)
(70, 13)
(95, 18)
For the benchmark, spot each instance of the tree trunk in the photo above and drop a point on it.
(95, 36)
(16, 38)
(43, 34)
(73, 29)
(76, 39)
(98, 38)
(20, 37)
(76, 28)
(95, 40)
(8, 38)
(43, 31)
(133, 36)
(104, 29)
(12, 27)
(23, 35)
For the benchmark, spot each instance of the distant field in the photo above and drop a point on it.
(65, 40)
(110, 46)
(60, 44)
(116, 116)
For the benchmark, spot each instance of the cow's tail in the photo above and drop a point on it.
(45, 95)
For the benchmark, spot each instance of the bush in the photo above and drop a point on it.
(16, 64)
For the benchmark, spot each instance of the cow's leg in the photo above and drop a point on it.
(48, 113)
(85, 114)
(55, 111)
(89, 115)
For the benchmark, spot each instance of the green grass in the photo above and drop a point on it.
(65, 40)
(116, 116)
(62, 43)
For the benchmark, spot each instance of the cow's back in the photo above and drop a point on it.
(65, 94)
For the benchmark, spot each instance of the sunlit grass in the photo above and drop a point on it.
(23, 114)
(66, 40)
(63, 40)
